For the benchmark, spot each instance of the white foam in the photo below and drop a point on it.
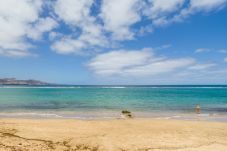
(30, 114)
(113, 87)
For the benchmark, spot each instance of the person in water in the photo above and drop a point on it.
(197, 109)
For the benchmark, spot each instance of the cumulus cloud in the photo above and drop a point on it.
(225, 59)
(200, 50)
(135, 63)
(207, 4)
(68, 45)
(90, 38)
(200, 76)
(76, 13)
(114, 21)
(145, 66)
(43, 25)
(203, 50)
(119, 15)
(20, 20)
(16, 53)
(78, 26)
(222, 50)
(190, 8)
(14, 22)
(159, 8)
(202, 66)
(73, 12)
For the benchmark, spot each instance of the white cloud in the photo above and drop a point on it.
(54, 35)
(212, 76)
(43, 25)
(159, 67)
(112, 22)
(119, 15)
(90, 38)
(161, 12)
(16, 53)
(202, 66)
(115, 20)
(20, 20)
(68, 45)
(73, 12)
(163, 47)
(135, 63)
(157, 8)
(222, 50)
(200, 50)
(14, 22)
(144, 67)
(193, 7)
(225, 59)
(93, 35)
(207, 4)
(76, 13)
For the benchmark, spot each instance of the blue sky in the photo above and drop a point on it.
(114, 41)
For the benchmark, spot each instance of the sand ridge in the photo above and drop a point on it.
(111, 135)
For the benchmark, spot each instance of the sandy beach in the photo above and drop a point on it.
(111, 135)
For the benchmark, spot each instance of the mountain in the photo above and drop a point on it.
(14, 81)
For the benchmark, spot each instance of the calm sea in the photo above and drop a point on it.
(108, 101)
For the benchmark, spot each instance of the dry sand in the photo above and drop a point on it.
(111, 135)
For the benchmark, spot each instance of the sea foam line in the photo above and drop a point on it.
(113, 87)
(30, 114)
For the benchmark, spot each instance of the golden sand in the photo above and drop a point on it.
(111, 135)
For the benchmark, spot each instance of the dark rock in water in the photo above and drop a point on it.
(126, 114)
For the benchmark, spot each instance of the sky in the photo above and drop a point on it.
(114, 41)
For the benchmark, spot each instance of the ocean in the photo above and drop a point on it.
(88, 102)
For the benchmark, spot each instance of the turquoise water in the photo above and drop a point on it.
(78, 100)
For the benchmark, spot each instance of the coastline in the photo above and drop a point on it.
(92, 102)
(113, 114)
(112, 135)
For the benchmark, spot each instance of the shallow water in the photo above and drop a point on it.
(108, 101)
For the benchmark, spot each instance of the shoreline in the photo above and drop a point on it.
(102, 115)
(112, 135)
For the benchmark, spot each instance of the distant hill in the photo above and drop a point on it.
(14, 81)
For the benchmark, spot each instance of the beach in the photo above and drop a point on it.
(111, 135)
(113, 75)
(89, 118)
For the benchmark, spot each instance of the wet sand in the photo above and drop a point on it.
(111, 135)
